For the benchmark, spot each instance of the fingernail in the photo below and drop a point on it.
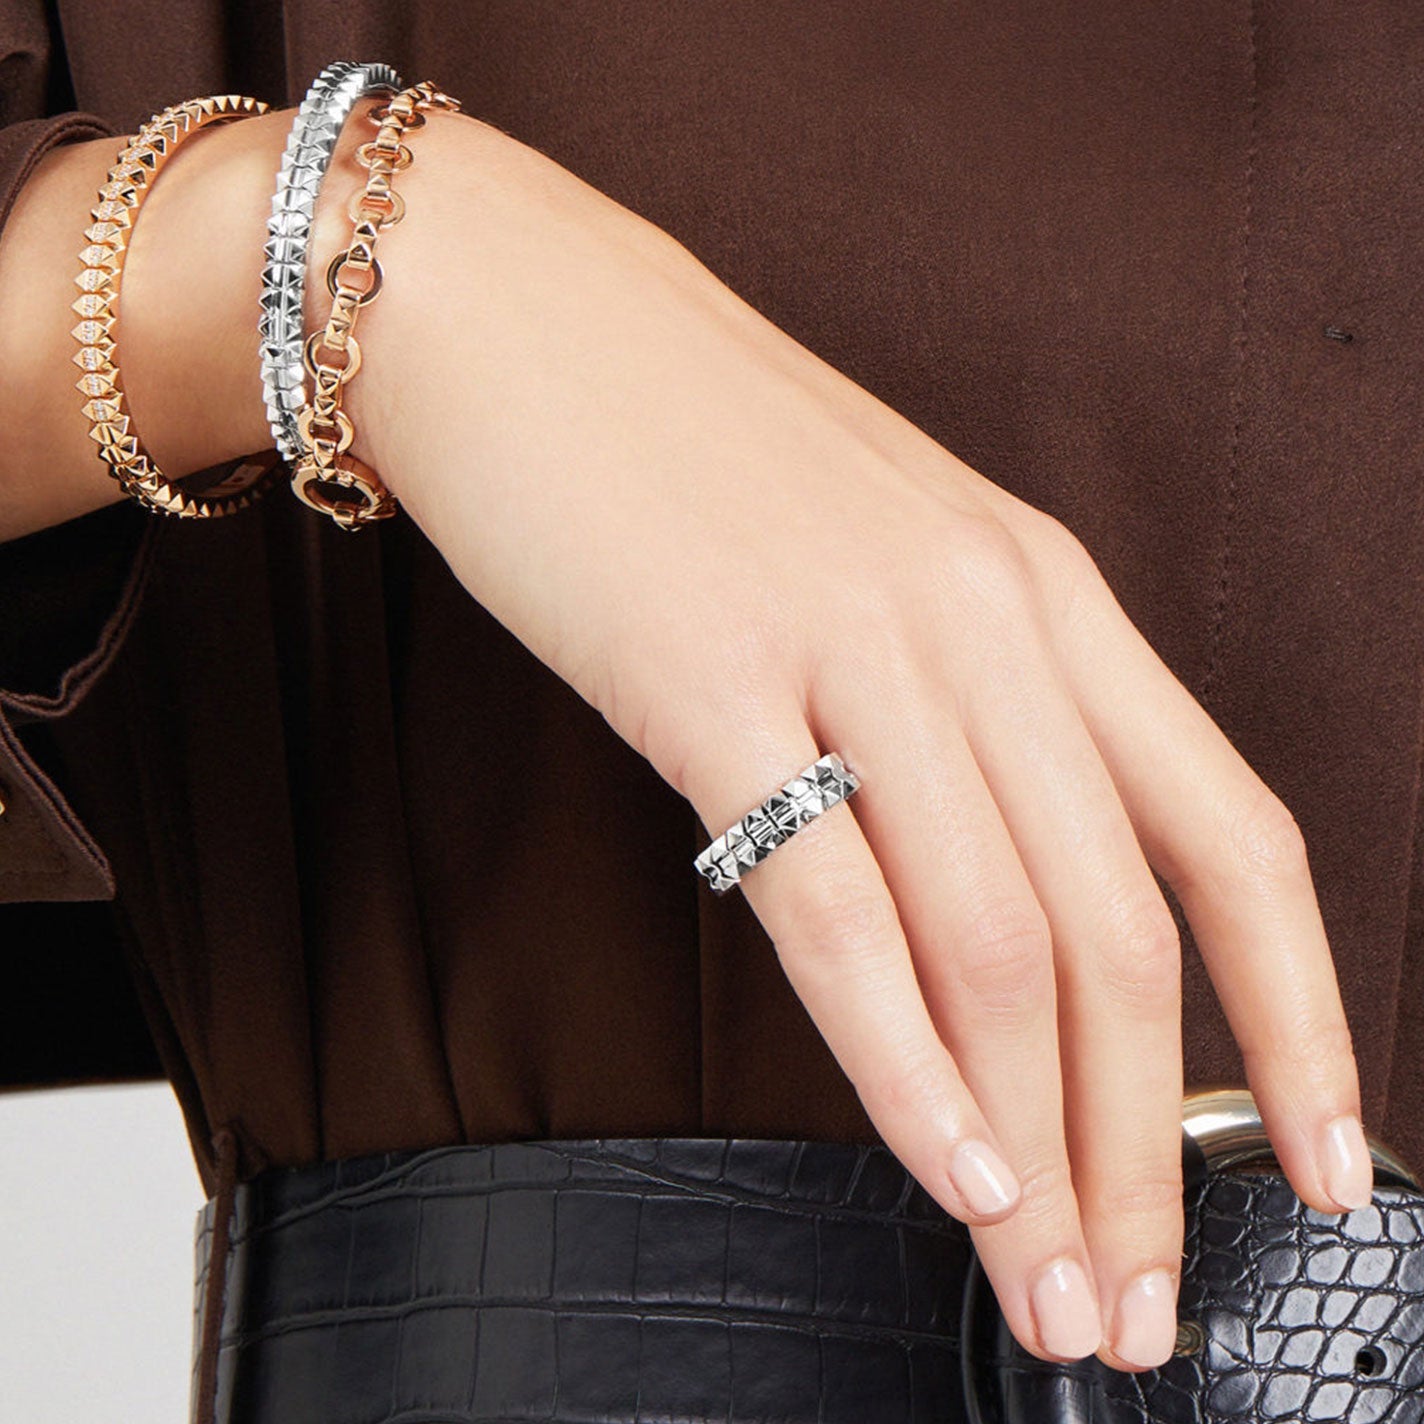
(1145, 1332)
(982, 1177)
(1349, 1173)
(1063, 1310)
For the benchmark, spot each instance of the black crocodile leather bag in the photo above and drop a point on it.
(688, 1279)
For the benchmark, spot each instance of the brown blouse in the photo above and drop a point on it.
(291, 820)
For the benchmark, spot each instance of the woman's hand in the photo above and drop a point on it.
(744, 560)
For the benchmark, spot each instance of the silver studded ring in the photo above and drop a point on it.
(777, 819)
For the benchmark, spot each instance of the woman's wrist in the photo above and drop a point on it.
(481, 206)
(502, 254)
(180, 333)
(194, 278)
(187, 344)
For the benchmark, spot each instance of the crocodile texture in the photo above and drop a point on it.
(1303, 1316)
(641, 1280)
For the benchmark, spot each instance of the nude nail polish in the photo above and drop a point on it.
(1064, 1311)
(1349, 1173)
(982, 1177)
(1145, 1331)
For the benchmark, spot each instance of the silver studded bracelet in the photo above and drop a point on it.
(311, 142)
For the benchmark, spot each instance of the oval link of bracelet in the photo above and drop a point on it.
(339, 422)
(362, 298)
(377, 502)
(351, 350)
(414, 120)
(401, 161)
(360, 204)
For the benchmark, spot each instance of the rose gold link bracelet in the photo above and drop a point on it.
(328, 477)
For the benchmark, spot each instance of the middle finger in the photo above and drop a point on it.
(1118, 961)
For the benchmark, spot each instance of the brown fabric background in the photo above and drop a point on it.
(1091, 249)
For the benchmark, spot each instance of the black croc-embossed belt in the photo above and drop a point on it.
(739, 1280)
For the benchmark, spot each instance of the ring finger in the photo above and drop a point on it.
(983, 954)
(823, 900)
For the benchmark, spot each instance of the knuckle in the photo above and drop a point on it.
(1140, 962)
(1003, 963)
(1063, 563)
(1266, 841)
(1308, 1056)
(1047, 1183)
(1152, 1197)
(988, 561)
(1059, 548)
(915, 1087)
(840, 928)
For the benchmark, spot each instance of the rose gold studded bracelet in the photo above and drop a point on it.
(111, 424)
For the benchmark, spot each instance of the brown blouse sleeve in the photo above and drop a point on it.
(67, 594)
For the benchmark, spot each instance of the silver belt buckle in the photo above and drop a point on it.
(1222, 1129)
(1226, 1125)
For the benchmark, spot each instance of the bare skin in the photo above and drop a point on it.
(607, 445)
